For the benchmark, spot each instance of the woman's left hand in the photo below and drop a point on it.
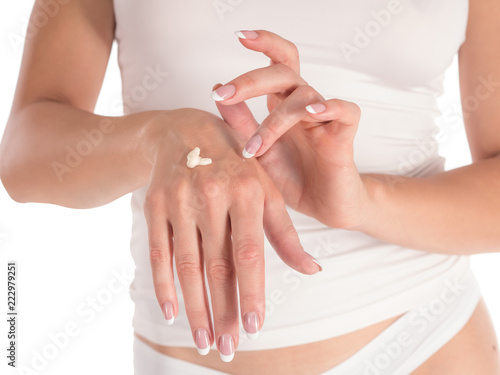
(306, 142)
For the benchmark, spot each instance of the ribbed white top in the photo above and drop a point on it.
(172, 52)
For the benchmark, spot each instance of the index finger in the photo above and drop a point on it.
(278, 49)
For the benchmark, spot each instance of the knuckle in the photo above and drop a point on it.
(284, 70)
(180, 190)
(188, 267)
(197, 315)
(247, 80)
(220, 270)
(152, 200)
(224, 319)
(209, 188)
(307, 92)
(290, 231)
(158, 255)
(293, 51)
(285, 234)
(248, 189)
(339, 104)
(247, 253)
(274, 123)
(349, 110)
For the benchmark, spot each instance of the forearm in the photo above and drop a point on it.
(455, 212)
(54, 153)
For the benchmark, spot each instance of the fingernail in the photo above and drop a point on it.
(202, 341)
(316, 261)
(226, 345)
(253, 145)
(223, 93)
(246, 34)
(251, 325)
(316, 108)
(168, 311)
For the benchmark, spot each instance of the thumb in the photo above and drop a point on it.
(238, 117)
(284, 238)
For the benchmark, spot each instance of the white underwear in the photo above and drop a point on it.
(398, 350)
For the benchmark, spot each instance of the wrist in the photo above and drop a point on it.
(375, 196)
(152, 135)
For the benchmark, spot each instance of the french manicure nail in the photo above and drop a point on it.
(253, 145)
(223, 93)
(316, 108)
(246, 34)
(202, 341)
(226, 345)
(168, 311)
(251, 325)
(316, 261)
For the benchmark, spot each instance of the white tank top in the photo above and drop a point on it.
(387, 56)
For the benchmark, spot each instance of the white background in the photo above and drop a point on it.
(67, 256)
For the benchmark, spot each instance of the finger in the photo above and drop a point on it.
(238, 117)
(342, 117)
(160, 255)
(286, 115)
(190, 271)
(248, 250)
(275, 79)
(284, 238)
(278, 49)
(221, 276)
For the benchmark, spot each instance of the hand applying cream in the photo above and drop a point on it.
(194, 159)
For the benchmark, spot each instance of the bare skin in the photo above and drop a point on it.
(58, 87)
(474, 350)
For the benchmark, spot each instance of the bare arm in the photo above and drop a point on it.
(45, 153)
(457, 211)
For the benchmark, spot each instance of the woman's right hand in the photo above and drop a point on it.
(212, 218)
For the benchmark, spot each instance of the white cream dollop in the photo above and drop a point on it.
(194, 159)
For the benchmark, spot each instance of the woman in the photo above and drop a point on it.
(390, 229)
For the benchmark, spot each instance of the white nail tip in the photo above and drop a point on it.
(170, 321)
(253, 336)
(239, 34)
(318, 263)
(204, 351)
(310, 110)
(217, 97)
(246, 154)
(226, 358)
